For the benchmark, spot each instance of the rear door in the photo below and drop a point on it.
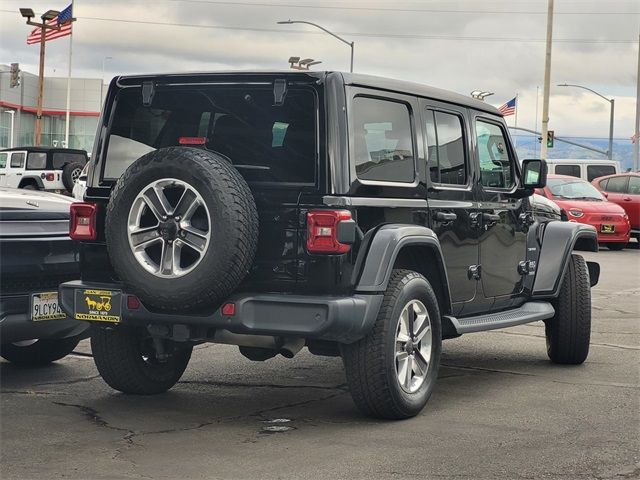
(631, 201)
(504, 231)
(452, 204)
(617, 189)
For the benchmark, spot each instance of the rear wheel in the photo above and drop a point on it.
(617, 246)
(392, 371)
(569, 331)
(38, 352)
(127, 360)
(30, 186)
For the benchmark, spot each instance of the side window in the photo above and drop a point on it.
(496, 169)
(3, 160)
(571, 170)
(617, 184)
(383, 147)
(36, 161)
(603, 184)
(445, 148)
(634, 186)
(595, 171)
(17, 160)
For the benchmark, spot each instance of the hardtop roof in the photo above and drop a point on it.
(355, 79)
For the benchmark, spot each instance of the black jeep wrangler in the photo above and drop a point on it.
(354, 215)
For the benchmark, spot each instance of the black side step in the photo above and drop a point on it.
(527, 313)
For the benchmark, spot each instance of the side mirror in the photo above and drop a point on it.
(605, 194)
(534, 173)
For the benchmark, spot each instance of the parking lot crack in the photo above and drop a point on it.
(261, 385)
(69, 382)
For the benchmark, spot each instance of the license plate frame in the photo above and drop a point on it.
(98, 305)
(41, 303)
(607, 228)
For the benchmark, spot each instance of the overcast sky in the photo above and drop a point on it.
(460, 45)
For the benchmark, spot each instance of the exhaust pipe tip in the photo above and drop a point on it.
(291, 346)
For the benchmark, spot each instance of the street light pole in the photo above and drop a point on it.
(351, 44)
(104, 60)
(611, 101)
(47, 16)
(547, 82)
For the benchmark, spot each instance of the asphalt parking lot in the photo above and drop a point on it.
(500, 410)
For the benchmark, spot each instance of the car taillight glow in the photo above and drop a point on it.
(322, 231)
(192, 140)
(82, 225)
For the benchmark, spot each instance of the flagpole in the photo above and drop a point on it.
(68, 111)
(515, 124)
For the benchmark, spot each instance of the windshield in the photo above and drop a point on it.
(265, 142)
(570, 189)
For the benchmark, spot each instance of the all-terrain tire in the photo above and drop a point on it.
(569, 331)
(370, 363)
(41, 352)
(70, 174)
(233, 228)
(616, 246)
(126, 361)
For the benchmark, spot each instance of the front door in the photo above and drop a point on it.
(16, 169)
(504, 223)
(4, 164)
(451, 198)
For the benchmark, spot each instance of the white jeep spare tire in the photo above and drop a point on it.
(181, 228)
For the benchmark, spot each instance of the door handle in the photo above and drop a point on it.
(491, 217)
(446, 217)
(626, 199)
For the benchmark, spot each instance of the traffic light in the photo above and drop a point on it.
(550, 138)
(15, 75)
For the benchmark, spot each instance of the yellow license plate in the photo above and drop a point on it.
(608, 228)
(98, 305)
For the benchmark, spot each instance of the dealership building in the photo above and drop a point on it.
(18, 107)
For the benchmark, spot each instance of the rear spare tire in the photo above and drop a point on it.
(181, 228)
(70, 174)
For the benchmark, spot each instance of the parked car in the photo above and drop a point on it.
(80, 186)
(624, 190)
(41, 168)
(584, 203)
(354, 215)
(36, 255)
(586, 169)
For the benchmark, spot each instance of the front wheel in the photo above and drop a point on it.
(392, 371)
(38, 352)
(126, 359)
(569, 331)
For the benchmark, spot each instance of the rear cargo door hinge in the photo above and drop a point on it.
(279, 91)
(474, 272)
(148, 91)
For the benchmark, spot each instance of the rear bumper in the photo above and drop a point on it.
(342, 319)
(16, 324)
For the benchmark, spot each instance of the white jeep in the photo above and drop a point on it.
(41, 168)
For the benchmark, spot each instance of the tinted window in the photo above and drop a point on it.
(3, 160)
(445, 148)
(60, 159)
(634, 185)
(17, 160)
(36, 161)
(603, 184)
(265, 142)
(493, 153)
(595, 171)
(383, 147)
(617, 184)
(571, 170)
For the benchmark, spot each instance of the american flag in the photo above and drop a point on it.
(508, 108)
(64, 20)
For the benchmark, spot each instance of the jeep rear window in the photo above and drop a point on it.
(36, 161)
(60, 159)
(265, 142)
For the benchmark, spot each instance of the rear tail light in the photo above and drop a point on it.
(83, 221)
(192, 140)
(323, 231)
(229, 309)
(50, 177)
(133, 303)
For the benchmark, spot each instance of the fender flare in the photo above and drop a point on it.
(558, 241)
(28, 179)
(383, 248)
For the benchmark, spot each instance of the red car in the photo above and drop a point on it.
(623, 189)
(584, 203)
